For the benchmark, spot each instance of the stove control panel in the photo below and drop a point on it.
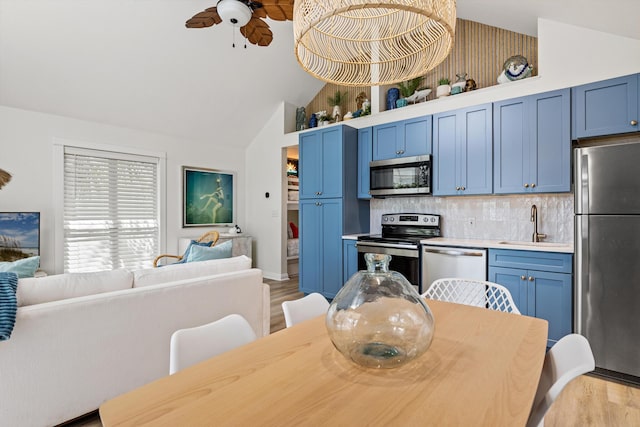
(411, 219)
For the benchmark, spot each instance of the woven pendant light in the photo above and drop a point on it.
(370, 43)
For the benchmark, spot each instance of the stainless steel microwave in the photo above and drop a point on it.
(404, 176)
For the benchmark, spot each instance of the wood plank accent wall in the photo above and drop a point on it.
(479, 50)
(320, 102)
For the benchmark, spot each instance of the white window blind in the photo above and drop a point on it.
(111, 217)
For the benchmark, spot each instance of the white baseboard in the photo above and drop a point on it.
(275, 276)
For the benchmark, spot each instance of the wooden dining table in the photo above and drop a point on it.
(482, 369)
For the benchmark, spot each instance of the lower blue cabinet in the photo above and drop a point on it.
(540, 284)
(321, 246)
(349, 259)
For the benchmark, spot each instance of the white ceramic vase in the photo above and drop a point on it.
(337, 113)
(443, 90)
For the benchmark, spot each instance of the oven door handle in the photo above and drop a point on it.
(398, 250)
(454, 252)
(387, 245)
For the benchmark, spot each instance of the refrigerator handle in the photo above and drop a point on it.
(581, 180)
(581, 263)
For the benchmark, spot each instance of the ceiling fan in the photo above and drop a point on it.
(246, 14)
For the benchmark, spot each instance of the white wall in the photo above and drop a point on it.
(26, 148)
(570, 55)
(567, 56)
(265, 173)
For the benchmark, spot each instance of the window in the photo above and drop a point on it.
(111, 214)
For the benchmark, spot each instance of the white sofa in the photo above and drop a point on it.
(66, 357)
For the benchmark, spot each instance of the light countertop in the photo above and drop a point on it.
(353, 236)
(489, 244)
(501, 244)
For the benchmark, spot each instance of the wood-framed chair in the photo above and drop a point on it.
(478, 293)
(210, 236)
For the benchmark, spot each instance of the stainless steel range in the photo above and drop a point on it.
(400, 238)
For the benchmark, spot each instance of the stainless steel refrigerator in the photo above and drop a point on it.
(607, 254)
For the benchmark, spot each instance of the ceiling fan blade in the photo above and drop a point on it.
(207, 18)
(259, 13)
(279, 10)
(257, 32)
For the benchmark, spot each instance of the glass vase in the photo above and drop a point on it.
(378, 319)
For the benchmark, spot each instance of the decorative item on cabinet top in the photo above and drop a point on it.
(443, 88)
(393, 95)
(460, 85)
(301, 118)
(515, 68)
(336, 101)
(407, 90)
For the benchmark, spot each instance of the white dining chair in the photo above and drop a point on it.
(569, 358)
(478, 293)
(192, 345)
(305, 308)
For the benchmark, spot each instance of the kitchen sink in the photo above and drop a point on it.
(538, 244)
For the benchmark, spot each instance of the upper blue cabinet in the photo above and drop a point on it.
(462, 152)
(606, 108)
(321, 162)
(532, 144)
(406, 138)
(365, 146)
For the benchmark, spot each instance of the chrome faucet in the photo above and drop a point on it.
(534, 219)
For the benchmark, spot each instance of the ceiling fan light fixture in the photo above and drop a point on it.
(372, 42)
(234, 12)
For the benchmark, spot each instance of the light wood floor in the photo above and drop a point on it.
(586, 401)
(281, 291)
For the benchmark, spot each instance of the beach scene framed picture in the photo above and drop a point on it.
(208, 197)
(19, 235)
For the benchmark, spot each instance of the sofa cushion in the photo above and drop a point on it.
(37, 290)
(192, 244)
(175, 272)
(200, 253)
(25, 267)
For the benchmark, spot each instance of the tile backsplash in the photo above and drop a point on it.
(488, 217)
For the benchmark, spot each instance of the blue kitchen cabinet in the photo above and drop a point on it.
(310, 259)
(349, 259)
(385, 141)
(532, 144)
(310, 144)
(416, 136)
(606, 108)
(321, 246)
(320, 163)
(463, 152)
(406, 138)
(365, 155)
(329, 160)
(540, 284)
(512, 279)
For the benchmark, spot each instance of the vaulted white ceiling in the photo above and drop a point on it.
(132, 63)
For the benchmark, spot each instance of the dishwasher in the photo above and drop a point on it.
(439, 262)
